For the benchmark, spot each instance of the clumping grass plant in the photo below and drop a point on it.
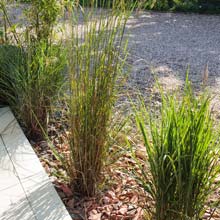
(182, 151)
(31, 71)
(95, 60)
(30, 83)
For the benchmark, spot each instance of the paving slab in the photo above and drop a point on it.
(12, 195)
(23, 181)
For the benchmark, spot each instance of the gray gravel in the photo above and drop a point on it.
(166, 43)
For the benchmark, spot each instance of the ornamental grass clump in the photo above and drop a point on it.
(31, 67)
(29, 84)
(96, 60)
(182, 149)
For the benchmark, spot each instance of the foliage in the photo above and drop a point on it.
(43, 16)
(31, 78)
(128, 4)
(5, 24)
(95, 62)
(183, 5)
(14, 55)
(182, 150)
(30, 82)
(25, 1)
(201, 6)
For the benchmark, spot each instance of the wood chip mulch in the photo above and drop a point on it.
(121, 198)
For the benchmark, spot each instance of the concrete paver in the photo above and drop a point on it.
(25, 189)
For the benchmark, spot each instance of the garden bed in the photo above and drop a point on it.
(121, 197)
(159, 43)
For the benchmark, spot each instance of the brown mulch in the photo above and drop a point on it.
(123, 200)
(120, 197)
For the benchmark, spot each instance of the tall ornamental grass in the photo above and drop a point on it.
(182, 149)
(31, 71)
(96, 59)
(30, 84)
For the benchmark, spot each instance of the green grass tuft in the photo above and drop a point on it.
(182, 149)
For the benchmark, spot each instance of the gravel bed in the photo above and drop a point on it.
(166, 44)
(169, 42)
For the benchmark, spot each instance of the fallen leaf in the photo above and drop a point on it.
(95, 216)
(138, 214)
(106, 200)
(70, 203)
(111, 194)
(66, 190)
(123, 210)
(134, 199)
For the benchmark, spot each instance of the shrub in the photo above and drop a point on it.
(202, 6)
(182, 151)
(43, 16)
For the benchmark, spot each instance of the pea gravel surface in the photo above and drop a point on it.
(165, 45)
(169, 43)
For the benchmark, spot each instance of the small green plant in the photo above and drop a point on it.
(12, 54)
(43, 16)
(182, 150)
(96, 59)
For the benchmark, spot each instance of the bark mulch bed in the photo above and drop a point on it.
(119, 198)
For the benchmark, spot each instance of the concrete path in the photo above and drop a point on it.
(26, 192)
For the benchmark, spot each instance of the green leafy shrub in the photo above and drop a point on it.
(43, 16)
(202, 6)
(25, 1)
(182, 151)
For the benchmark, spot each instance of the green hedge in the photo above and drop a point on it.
(201, 6)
